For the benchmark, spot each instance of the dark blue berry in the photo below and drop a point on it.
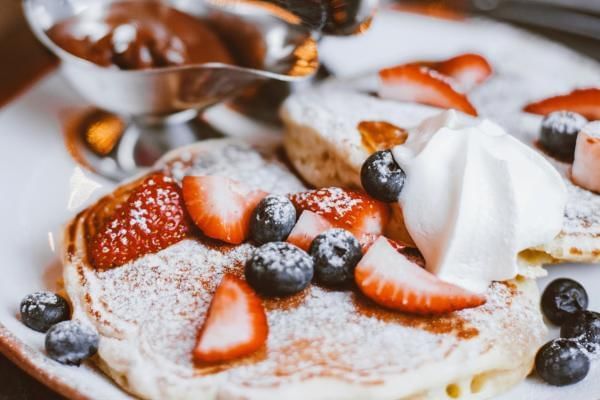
(41, 310)
(272, 220)
(559, 133)
(584, 326)
(562, 298)
(71, 342)
(335, 253)
(279, 269)
(562, 362)
(381, 177)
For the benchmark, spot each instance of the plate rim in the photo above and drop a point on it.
(17, 351)
(23, 356)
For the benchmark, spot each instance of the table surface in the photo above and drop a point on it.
(17, 385)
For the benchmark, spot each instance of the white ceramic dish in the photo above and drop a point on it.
(42, 188)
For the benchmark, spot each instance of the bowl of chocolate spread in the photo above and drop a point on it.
(151, 58)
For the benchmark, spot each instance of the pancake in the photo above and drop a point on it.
(322, 344)
(326, 148)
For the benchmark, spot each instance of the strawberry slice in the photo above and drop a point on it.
(419, 84)
(151, 219)
(582, 101)
(410, 252)
(307, 228)
(468, 70)
(392, 280)
(220, 207)
(586, 166)
(235, 325)
(352, 210)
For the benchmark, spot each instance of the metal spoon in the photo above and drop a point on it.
(157, 100)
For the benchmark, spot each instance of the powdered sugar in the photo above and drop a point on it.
(70, 342)
(564, 122)
(71, 332)
(280, 256)
(335, 113)
(335, 247)
(382, 165)
(38, 300)
(151, 309)
(255, 168)
(278, 209)
(593, 129)
(166, 294)
(582, 212)
(319, 333)
(329, 200)
(152, 218)
(526, 68)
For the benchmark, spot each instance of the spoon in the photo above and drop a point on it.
(157, 102)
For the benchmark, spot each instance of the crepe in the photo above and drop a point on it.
(322, 344)
(326, 148)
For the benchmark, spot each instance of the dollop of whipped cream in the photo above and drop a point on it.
(475, 197)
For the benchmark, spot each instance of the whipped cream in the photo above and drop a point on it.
(475, 197)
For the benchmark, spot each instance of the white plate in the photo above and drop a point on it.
(42, 187)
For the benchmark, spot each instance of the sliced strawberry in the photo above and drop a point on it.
(586, 166)
(410, 252)
(414, 83)
(582, 101)
(235, 325)
(468, 70)
(307, 228)
(152, 218)
(220, 207)
(352, 210)
(392, 280)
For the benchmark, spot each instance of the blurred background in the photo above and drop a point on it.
(575, 23)
(9, 16)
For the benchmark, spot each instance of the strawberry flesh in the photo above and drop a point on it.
(392, 280)
(419, 84)
(467, 69)
(307, 228)
(235, 325)
(411, 253)
(582, 101)
(220, 207)
(151, 219)
(352, 210)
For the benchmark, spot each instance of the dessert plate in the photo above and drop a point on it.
(43, 188)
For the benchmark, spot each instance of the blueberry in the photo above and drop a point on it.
(41, 310)
(585, 327)
(71, 342)
(562, 362)
(272, 220)
(381, 177)
(335, 253)
(559, 133)
(562, 298)
(279, 269)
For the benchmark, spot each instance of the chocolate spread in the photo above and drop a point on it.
(140, 35)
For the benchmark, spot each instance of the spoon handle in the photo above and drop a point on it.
(348, 17)
(329, 17)
(559, 15)
(312, 13)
